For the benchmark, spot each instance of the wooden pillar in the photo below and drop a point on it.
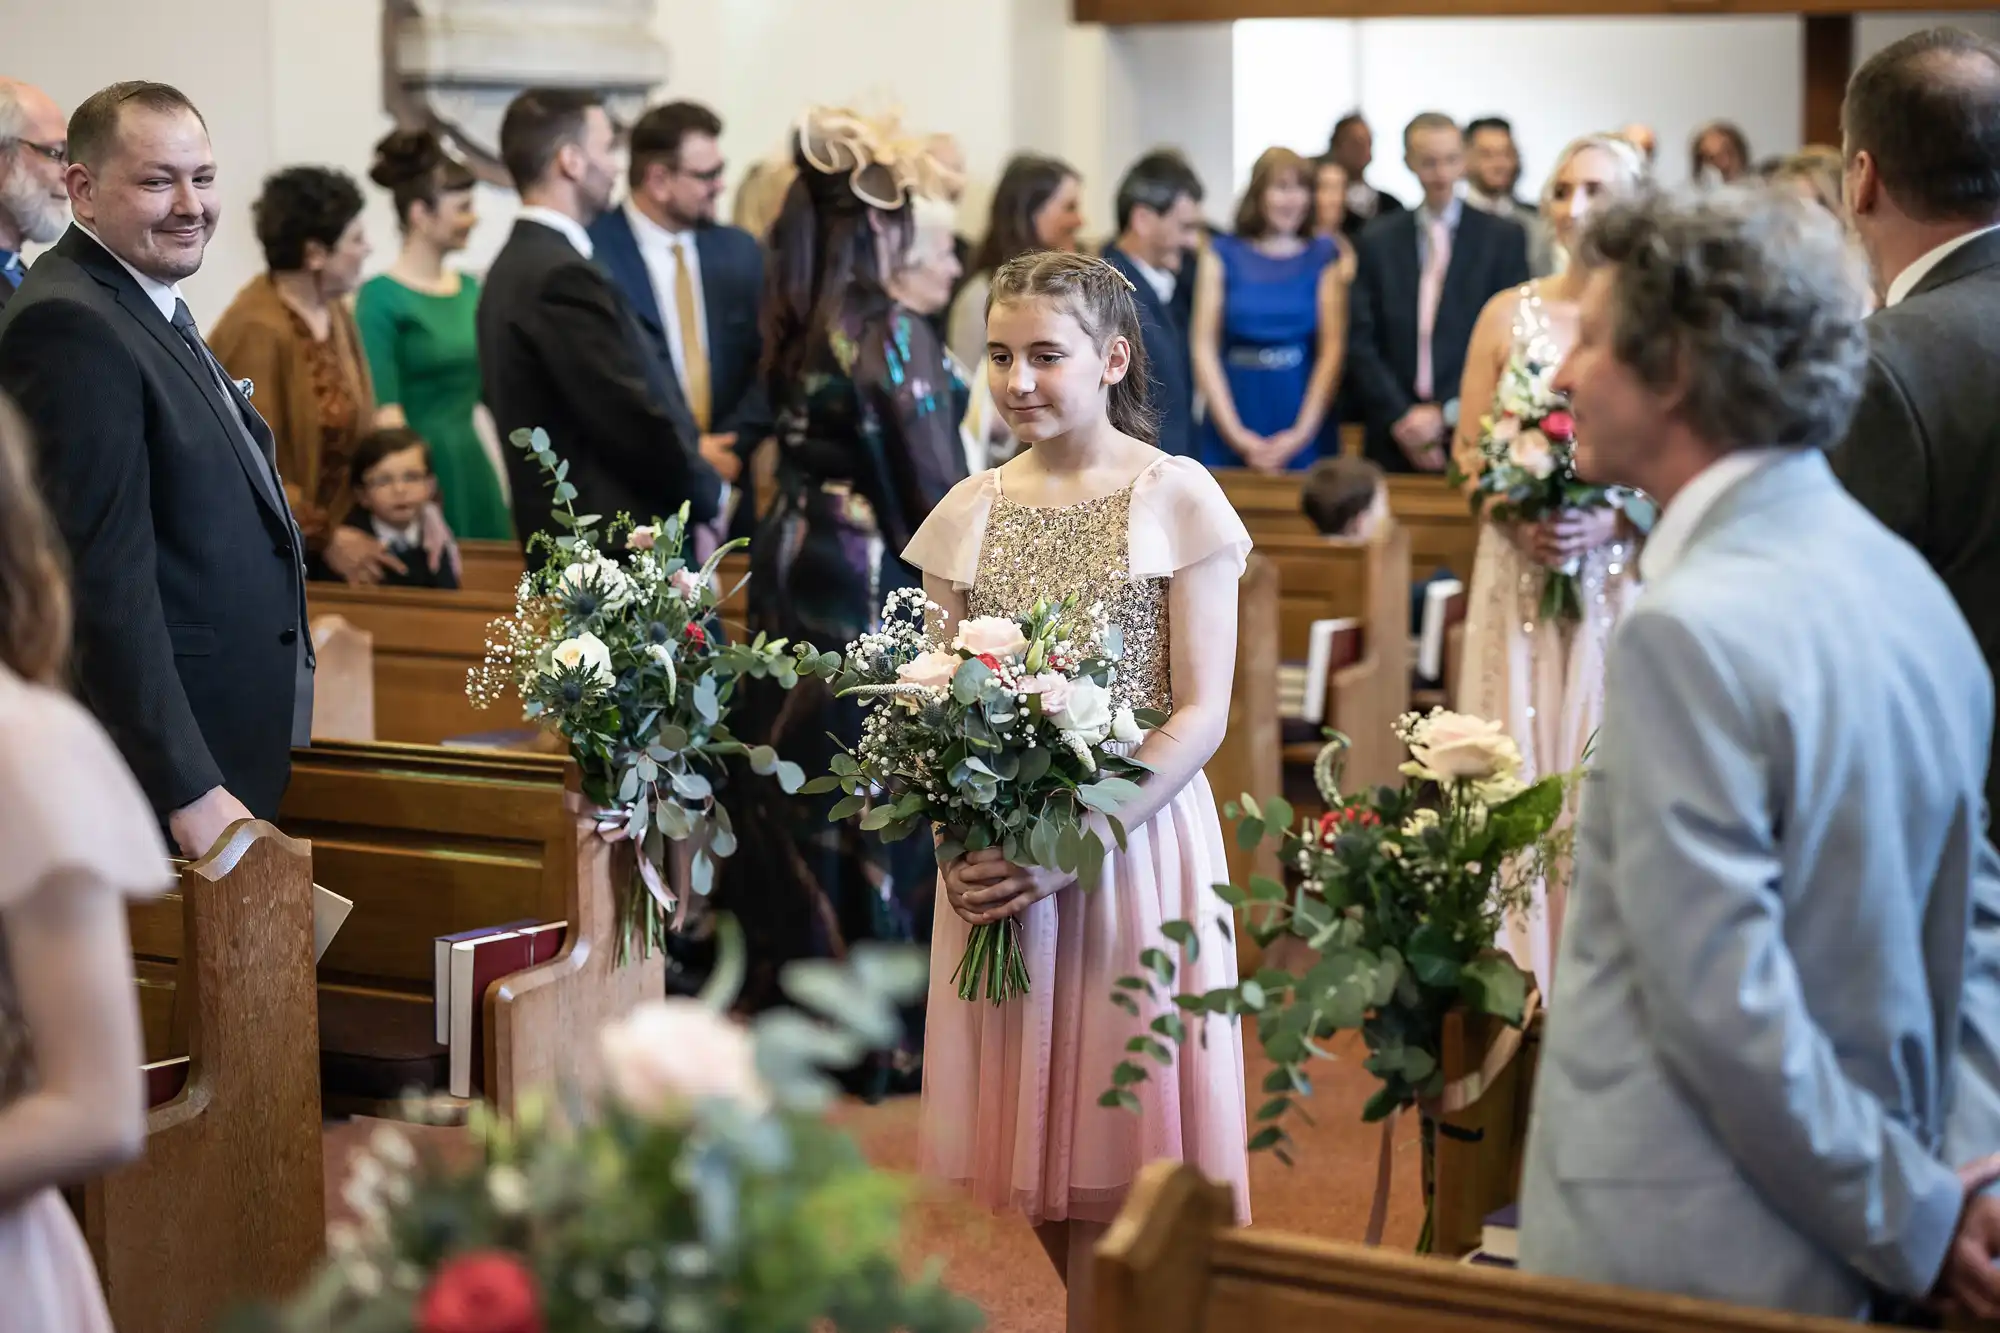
(1829, 49)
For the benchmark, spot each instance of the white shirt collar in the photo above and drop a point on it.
(650, 232)
(390, 535)
(1667, 544)
(1906, 281)
(1500, 205)
(572, 230)
(1161, 281)
(159, 293)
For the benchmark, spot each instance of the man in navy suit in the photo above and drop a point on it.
(1159, 219)
(1423, 278)
(696, 284)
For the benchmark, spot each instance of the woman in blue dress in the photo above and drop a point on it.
(1270, 327)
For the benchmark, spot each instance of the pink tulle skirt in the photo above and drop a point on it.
(48, 1283)
(1010, 1091)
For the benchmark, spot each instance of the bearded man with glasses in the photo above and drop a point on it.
(34, 149)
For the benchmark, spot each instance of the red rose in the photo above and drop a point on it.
(695, 636)
(992, 662)
(1559, 425)
(485, 1291)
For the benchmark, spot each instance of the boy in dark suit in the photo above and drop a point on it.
(392, 484)
(1159, 222)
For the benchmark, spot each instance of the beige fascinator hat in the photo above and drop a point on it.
(885, 165)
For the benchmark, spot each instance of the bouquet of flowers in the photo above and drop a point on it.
(1003, 739)
(1400, 894)
(707, 1192)
(1527, 448)
(623, 660)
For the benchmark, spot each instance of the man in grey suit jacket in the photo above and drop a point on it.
(1771, 1016)
(1923, 178)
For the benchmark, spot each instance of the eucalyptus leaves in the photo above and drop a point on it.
(620, 656)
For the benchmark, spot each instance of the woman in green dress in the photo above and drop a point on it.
(418, 326)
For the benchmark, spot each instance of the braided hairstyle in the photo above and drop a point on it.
(1099, 298)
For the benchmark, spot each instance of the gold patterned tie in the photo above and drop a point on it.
(694, 349)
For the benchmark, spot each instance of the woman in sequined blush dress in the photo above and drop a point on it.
(1544, 678)
(1091, 507)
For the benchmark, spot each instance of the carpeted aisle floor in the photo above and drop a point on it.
(995, 1260)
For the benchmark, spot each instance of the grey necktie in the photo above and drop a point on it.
(302, 692)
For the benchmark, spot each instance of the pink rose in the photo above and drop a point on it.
(1532, 453)
(668, 1053)
(933, 670)
(1559, 426)
(1505, 429)
(1053, 688)
(686, 585)
(642, 539)
(997, 635)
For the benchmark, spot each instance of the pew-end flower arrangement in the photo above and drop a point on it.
(1400, 895)
(1009, 737)
(624, 659)
(705, 1191)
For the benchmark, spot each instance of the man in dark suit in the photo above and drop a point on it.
(695, 284)
(1352, 144)
(34, 202)
(1423, 277)
(1492, 177)
(1159, 221)
(191, 646)
(1922, 125)
(559, 345)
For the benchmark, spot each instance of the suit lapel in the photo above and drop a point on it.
(618, 250)
(1148, 298)
(140, 306)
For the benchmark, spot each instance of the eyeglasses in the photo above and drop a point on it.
(709, 177)
(386, 481)
(57, 153)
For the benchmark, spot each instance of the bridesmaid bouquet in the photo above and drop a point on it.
(612, 654)
(1007, 738)
(1527, 448)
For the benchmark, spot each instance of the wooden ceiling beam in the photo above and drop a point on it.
(1222, 11)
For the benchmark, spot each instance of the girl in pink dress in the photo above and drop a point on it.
(1011, 1091)
(79, 838)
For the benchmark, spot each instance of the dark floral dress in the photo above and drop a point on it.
(868, 443)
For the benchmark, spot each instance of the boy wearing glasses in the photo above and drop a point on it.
(392, 484)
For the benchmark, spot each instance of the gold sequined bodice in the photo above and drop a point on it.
(1032, 552)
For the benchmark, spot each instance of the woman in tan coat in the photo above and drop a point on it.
(290, 332)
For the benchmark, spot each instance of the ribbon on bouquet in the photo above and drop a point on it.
(612, 827)
(1457, 1095)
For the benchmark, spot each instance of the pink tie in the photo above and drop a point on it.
(1430, 289)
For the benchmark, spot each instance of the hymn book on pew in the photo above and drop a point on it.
(1499, 1240)
(468, 963)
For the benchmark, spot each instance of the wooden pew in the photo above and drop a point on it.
(343, 681)
(489, 566)
(429, 841)
(425, 641)
(228, 1203)
(1172, 1263)
(1247, 760)
(1443, 532)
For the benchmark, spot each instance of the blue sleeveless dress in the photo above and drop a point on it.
(1270, 335)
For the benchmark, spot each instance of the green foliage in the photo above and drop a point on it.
(711, 1216)
(624, 658)
(1400, 893)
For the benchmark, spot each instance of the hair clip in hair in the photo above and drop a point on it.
(1119, 274)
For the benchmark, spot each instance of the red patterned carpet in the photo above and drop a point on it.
(996, 1261)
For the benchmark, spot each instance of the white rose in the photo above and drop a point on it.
(997, 635)
(1456, 747)
(668, 1053)
(586, 650)
(1125, 727)
(1532, 453)
(1087, 711)
(1414, 826)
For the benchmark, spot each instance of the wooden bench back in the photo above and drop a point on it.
(1172, 1263)
(489, 566)
(1320, 578)
(228, 1203)
(1443, 532)
(427, 640)
(343, 680)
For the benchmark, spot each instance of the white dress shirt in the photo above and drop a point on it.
(389, 534)
(1162, 282)
(1906, 281)
(1668, 541)
(664, 251)
(572, 230)
(159, 293)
